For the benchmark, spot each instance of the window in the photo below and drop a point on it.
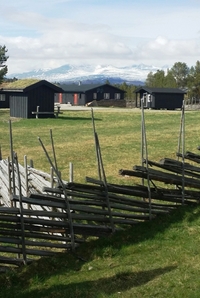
(117, 96)
(106, 95)
(94, 95)
(2, 97)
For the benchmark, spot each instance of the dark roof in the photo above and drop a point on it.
(82, 88)
(160, 90)
(27, 85)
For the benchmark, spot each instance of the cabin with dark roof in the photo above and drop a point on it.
(25, 97)
(160, 98)
(82, 94)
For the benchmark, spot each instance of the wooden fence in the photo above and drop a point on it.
(41, 214)
(96, 209)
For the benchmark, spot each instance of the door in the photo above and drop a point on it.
(75, 99)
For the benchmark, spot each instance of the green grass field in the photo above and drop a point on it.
(153, 259)
(119, 135)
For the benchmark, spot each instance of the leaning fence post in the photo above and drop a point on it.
(21, 211)
(97, 156)
(183, 154)
(11, 156)
(53, 149)
(142, 138)
(51, 177)
(181, 146)
(31, 163)
(9, 182)
(144, 148)
(71, 172)
(65, 195)
(26, 174)
(104, 181)
(26, 177)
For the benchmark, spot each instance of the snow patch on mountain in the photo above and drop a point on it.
(71, 73)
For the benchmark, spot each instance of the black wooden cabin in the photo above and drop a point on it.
(81, 94)
(23, 97)
(160, 98)
(4, 100)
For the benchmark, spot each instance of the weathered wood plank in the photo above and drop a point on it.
(168, 179)
(13, 261)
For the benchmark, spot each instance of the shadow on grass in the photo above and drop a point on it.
(192, 216)
(141, 232)
(104, 286)
(71, 263)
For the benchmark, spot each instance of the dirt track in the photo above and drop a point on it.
(84, 108)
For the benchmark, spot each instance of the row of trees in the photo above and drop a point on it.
(179, 76)
(129, 89)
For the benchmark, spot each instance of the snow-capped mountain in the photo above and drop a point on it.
(90, 73)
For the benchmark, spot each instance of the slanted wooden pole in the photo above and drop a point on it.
(71, 172)
(31, 163)
(21, 210)
(181, 148)
(12, 157)
(144, 151)
(26, 175)
(10, 183)
(65, 195)
(96, 150)
(26, 178)
(51, 177)
(53, 149)
(71, 175)
(142, 136)
(104, 181)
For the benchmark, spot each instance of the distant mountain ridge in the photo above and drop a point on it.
(134, 74)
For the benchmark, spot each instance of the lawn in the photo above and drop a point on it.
(119, 135)
(153, 259)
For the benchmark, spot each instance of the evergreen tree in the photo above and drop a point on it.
(156, 80)
(3, 59)
(194, 81)
(176, 77)
(150, 79)
(170, 81)
(159, 79)
(180, 72)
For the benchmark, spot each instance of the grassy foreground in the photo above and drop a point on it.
(155, 259)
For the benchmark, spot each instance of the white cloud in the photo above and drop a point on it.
(111, 33)
(164, 50)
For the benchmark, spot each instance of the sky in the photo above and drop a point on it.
(51, 33)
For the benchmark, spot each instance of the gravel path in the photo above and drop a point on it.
(64, 107)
